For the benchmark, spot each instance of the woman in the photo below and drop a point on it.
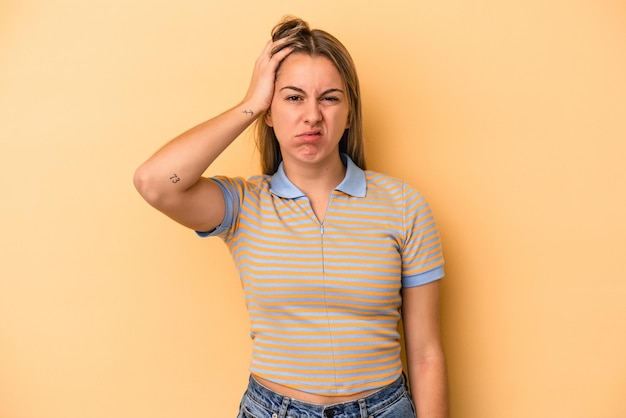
(330, 254)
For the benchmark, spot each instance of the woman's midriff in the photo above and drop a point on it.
(310, 397)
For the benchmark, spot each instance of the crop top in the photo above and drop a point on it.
(324, 298)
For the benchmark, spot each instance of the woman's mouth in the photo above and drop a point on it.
(310, 135)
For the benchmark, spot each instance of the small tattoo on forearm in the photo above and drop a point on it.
(248, 112)
(175, 178)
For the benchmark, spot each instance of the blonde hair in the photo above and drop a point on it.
(315, 42)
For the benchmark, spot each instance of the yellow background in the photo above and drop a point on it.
(509, 115)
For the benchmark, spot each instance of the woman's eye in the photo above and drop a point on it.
(293, 98)
(330, 99)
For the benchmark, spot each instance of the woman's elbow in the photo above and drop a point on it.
(147, 186)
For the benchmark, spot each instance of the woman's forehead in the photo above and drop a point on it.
(304, 70)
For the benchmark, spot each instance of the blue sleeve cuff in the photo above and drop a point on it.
(228, 215)
(423, 278)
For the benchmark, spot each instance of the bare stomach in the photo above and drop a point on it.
(311, 397)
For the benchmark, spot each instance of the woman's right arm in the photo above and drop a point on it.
(171, 180)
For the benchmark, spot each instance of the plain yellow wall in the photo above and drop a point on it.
(509, 115)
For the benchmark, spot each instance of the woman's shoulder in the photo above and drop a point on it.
(252, 181)
(391, 186)
(378, 178)
(254, 185)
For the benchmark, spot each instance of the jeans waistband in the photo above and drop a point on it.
(369, 404)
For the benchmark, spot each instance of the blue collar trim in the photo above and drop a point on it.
(353, 183)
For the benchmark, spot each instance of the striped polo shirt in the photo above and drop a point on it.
(324, 297)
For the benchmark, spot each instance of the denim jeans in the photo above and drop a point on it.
(392, 401)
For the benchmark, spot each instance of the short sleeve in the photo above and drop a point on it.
(232, 190)
(422, 254)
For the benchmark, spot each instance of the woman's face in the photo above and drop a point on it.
(309, 111)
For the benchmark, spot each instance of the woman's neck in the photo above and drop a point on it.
(317, 182)
(316, 179)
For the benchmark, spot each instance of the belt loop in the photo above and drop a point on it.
(363, 408)
(407, 384)
(282, 412)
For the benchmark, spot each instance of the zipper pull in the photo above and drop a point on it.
(322, 229)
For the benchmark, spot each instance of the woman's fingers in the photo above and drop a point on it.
(261, 87)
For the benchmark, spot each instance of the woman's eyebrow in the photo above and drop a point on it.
(332, 91)
(299, 90)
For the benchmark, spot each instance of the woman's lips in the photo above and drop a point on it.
(310, 135)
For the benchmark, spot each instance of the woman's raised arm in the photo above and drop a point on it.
(171, 180)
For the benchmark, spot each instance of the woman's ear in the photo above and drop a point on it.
(268, 119)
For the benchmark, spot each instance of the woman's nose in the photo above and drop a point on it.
(313, 112)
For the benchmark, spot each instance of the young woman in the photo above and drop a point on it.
(331, 255)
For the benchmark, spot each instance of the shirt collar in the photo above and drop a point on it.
(352, 184)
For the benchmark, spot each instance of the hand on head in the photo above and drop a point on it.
(261, 89)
